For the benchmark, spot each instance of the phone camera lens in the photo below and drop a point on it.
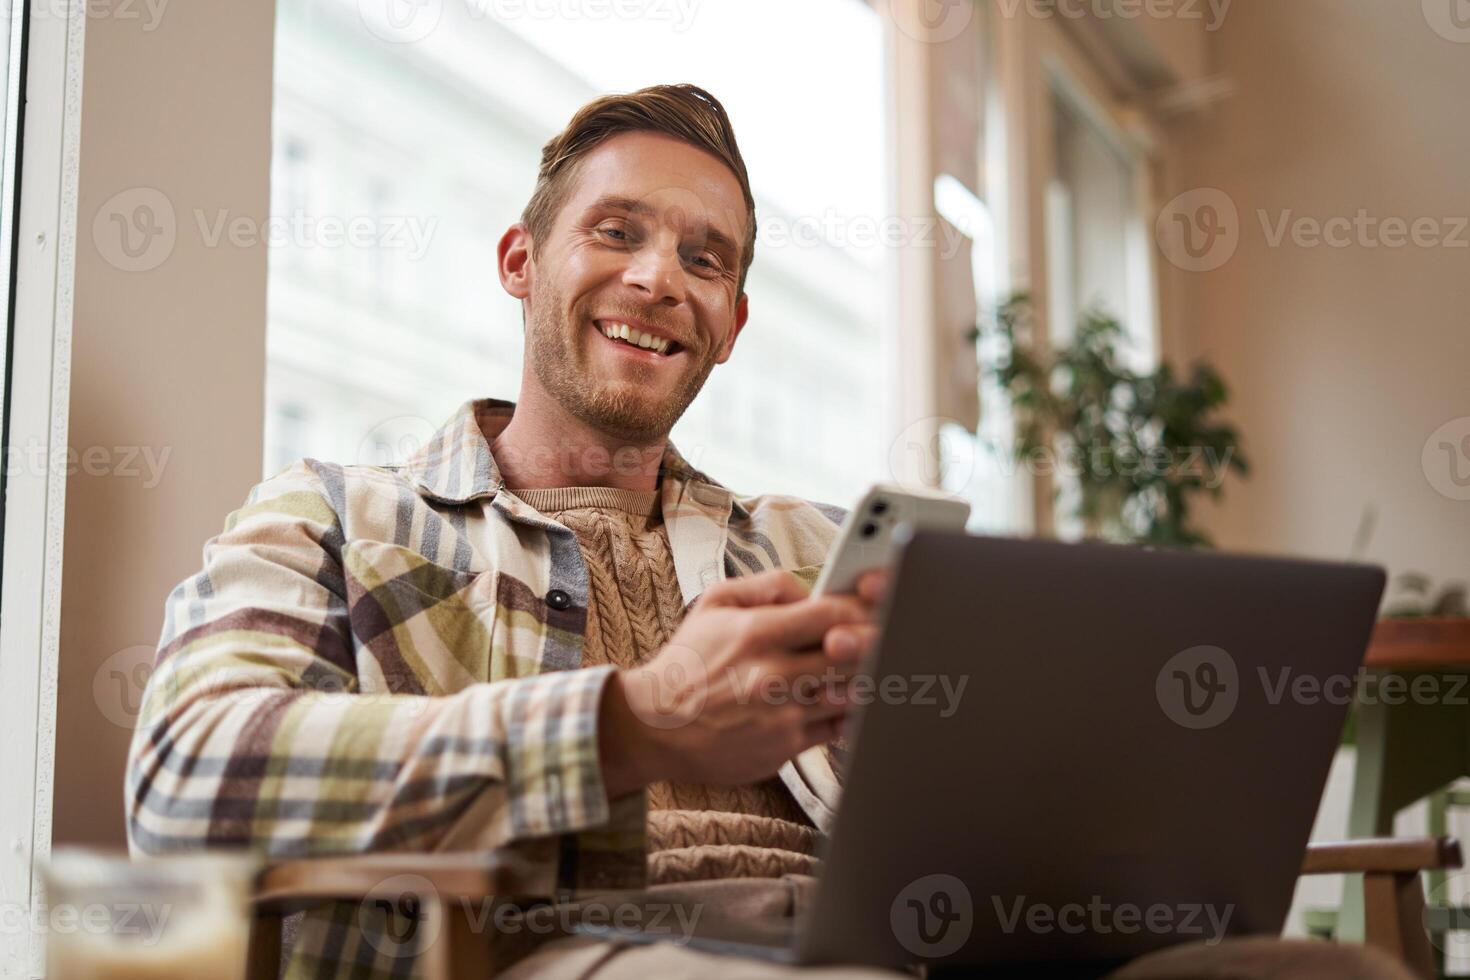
(879, 507)
(869, 530)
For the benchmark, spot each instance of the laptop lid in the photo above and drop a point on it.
(1082, 753)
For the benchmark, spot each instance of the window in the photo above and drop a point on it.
(1067, 182)
(35, 148)
(1097, 248)
(424, 133)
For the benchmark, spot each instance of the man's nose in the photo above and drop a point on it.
(658, 273)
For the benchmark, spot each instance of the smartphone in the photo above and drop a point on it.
(875, 527)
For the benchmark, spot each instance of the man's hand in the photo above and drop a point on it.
(755, 674)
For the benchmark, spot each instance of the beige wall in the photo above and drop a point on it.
(170, 359)
(1343, 361)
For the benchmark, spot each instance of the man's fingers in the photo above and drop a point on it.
(775, 587)
(822, 731)
(804, 624)
(847, 644)
(811, 681)
(873, 585)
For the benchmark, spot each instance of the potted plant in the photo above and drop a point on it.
(1144, 445)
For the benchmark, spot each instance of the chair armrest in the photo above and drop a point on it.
(358, 876)
(443, 884)
(1382, 856)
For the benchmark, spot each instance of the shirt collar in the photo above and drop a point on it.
(455, 466)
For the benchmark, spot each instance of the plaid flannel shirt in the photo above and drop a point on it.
(387, 659)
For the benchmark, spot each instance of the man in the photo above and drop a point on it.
(542, 633)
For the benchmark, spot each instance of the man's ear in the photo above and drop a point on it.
(513, 258)
(742, 313)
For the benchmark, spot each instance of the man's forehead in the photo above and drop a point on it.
(662, 177)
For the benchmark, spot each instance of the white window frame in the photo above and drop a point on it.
(38, 397)
(1037, 57)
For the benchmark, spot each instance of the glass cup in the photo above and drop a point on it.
(109, 917)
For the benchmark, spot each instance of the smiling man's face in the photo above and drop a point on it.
(648, 242)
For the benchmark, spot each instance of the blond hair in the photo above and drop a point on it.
(685, 112)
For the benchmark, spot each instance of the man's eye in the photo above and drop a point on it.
(617, 234)
(706, 262)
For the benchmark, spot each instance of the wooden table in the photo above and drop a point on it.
(1413, 729)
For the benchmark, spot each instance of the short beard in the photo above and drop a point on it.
(563, 367)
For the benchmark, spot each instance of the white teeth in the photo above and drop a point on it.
(647, 341)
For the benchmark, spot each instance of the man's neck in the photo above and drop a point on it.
(544, 446)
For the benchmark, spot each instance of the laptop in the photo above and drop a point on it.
(1082, 754)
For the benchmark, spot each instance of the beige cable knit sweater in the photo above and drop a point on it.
(694, 832)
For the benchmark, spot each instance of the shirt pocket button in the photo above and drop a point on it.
(557, 599)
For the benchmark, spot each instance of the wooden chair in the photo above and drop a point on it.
(1391, 869)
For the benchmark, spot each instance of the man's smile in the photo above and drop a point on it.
(636, 340)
